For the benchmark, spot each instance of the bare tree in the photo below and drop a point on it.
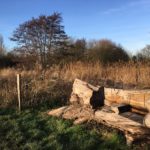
(146, 52)
(2, 47)
(41, 36)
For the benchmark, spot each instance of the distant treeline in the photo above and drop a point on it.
(43, 41)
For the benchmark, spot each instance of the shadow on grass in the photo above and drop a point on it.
(33, 129)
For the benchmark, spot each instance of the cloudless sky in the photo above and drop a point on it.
(126, 22)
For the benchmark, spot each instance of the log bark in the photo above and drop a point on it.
(133, 130)
(80, 121)
(138, 111)
(147, 120)
(136, 98)
(134, 110)
(148, 105)
(87, 94)
(57, 112)
(73, 112)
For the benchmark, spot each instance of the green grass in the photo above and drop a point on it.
(33, 129)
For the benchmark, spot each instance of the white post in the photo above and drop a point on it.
(19, 91)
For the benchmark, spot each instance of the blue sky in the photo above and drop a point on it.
(124, 21)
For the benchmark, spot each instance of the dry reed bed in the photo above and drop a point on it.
(55, 83)
(129, 73)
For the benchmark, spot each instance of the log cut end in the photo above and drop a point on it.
(87, 94)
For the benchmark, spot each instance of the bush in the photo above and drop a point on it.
(107, 52)
(6, 61)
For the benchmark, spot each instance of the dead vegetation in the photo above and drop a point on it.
(126, 73)
(55, 84)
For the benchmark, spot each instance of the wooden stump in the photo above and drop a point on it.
(87, 94)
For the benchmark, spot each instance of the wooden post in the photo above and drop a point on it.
(19, 91)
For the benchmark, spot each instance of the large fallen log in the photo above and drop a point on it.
(87, 94)
(95, 96)
(85, 97)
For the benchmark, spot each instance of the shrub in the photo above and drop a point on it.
(6, 61)
(107, 52)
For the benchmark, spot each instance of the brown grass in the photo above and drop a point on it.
(54, 84)
(127, 73)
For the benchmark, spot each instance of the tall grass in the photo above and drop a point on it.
(54, 84)
(137, 74)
